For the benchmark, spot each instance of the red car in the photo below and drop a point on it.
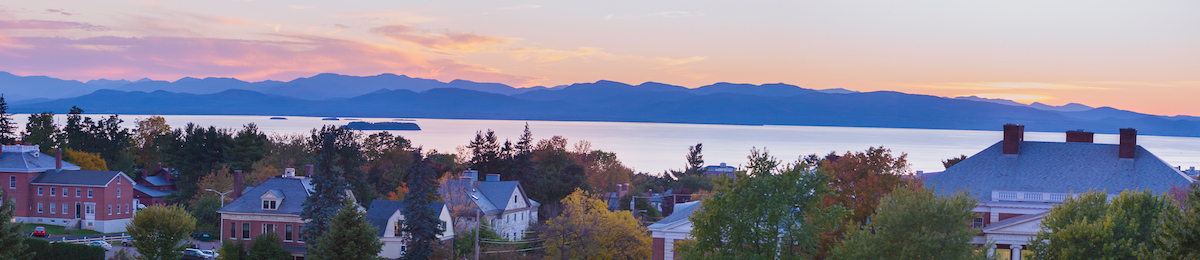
(39, 231)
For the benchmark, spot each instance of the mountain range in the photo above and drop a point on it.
(389, 95)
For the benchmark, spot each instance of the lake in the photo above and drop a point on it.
(655, 147)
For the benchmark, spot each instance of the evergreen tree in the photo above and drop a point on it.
(41, 130)
(195, 152)
(11, 237)
(8, 134)
(75, 132)
(268, 247)
(350, 237)
(249, 146)
(421, 222)
(695, 159)
(329, 190)
(486, 153)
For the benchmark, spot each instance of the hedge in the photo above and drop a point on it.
(53, 251)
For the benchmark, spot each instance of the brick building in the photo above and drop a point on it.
(272, 206)
(47, 190)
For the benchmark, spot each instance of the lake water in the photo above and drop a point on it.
(655, 147)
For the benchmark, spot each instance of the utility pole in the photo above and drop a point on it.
(478, 225)
(222, 195)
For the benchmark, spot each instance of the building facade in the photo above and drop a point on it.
(1018, 181)
(273, 206)
(47, 190)
(503, 203)
(671, 229)
(388, 218)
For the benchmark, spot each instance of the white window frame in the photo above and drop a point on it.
(110, 209)
(78, 192)
(65, 191)
(39, 207)
(52, 208)
(12, 181)
(118, 192)
(39, 191)
(53, 191)
(89, 193)
(118, 209)
(65, 207)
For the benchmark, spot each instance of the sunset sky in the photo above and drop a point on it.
(1136, 55)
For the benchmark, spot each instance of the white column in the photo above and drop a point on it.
(1016, 252)
(992, 251)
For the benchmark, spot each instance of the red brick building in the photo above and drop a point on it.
(47, 190)
(154, 187)
(272, 206)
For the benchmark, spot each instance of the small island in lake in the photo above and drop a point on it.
(278, 118)
(330, 118)
(360, 125)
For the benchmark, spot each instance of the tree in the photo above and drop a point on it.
(122, 254)
(588, 230)
(952, 161)
(557, 175)
(85, 161)
(159, 232)
(771, 211)
(195, 152)
(421, 222)
(1090, 226)
(147, 152)
(11, 237)
(605, 171)
(232, 250)
(248, 146)
(388, 159)
(915, 223)
(41, 130)
(350, 237)
(861, 179)
(464, 245)
(8, 132)
(1179, 232)
(695, 160)
(347, 158)
(268, 246)
(75, 133)
(328, 193)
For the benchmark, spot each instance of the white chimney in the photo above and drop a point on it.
(289, 172)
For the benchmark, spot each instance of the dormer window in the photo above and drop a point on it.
(271, 199)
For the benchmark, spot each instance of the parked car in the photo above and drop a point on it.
(203, 236)
(39, 231)
(103, 244)
(127, 241)
(195, 254)
(212, 253)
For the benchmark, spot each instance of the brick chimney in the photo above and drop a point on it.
(1013, 135)
(308, 171)
(1080, 136)
(1128, 143)
(237, 183)
(58, 160)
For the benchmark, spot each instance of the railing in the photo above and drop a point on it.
(1029, 196)
(89, 239)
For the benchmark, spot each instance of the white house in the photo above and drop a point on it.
(504, 204)
(388, 217)
(672, 228)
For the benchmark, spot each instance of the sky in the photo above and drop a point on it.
(1135, 55)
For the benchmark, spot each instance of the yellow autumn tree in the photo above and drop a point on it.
(586, 229)
(86, 161)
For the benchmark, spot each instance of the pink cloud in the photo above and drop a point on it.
(49, 25)
(439, 41)
(175, 57)
(59, 11)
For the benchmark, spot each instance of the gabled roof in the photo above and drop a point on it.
(27, 158)
(150, 191)
(1055, 167)
(382, 210)
(158, 181)
(78, 177)
(682, 212)
(294, 191)
(498, 192)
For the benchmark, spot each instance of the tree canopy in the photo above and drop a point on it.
(159, 232)
(421, 222)
(8, 130)
(1089, 226)
(11, 237)
(915, 223)
(328, 191)
(349, 227)
(586, 229)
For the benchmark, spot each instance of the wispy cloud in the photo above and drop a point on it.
(1024, 98)
(1010, 86)
(439, 41)
(48, 25)
(664, 14)
(552, 55)
(301, 6)
(521, 7)
(59, 11)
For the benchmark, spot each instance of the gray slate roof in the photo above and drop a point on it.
(150, 191)
(1056, 168)
(78, 177)
(682, 212)
(295, 191)
(157, 181)
(498, 192)
(30, 161)
(382, 210)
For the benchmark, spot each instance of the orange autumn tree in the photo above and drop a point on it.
(398, 195)
(858, 180)
(85, 161)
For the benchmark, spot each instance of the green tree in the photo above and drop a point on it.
(695, 160)
(350, 237)
(268, 246)
(588, 230)
(8, 132)
(195, 152)
(248, 146)
(421, 222)
(952, 161)
(12, 244)
(328, 191)
(915, 223)
(464, 242)
(159, 232)
(41, 130)
(232, 250)
(75, 133)
(147, 150)
(1090, 226)
(1179, 232)
(388, 158)
(769, 212)
(204, 209)
(347, 158)
(557, 175)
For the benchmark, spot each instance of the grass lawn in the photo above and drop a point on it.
(59, 230)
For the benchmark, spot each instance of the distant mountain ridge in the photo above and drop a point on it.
(390, 95)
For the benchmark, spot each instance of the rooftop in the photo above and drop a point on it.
(294, 191)
(78, 177)
(27, 158)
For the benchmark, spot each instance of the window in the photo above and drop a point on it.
(89, 193)
(399, 226)
(39, 207)
(118, 192)
(118, 180)
(268, 228)
(287, 233)
(514, 199)
(977, 223)
(12, 181)
(245, 230)
(51, 208)
(89, 209)
(39, 191)
(126, 208)
(232, 230)
(118, 209)
(52, 191)
(76, 192)
(270, 204)
(65, 192)
(64, 208)
(300, 228)
(403, 248)
(110, 209)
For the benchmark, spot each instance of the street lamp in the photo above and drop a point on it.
(222, 195)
